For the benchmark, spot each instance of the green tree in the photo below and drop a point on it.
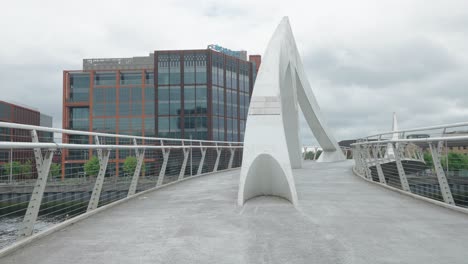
(14, 166)
(310, 155)
(319, 152)
(54, 170)
(428, 160)
(26, 168)
(456, 161)
(130, 164)
(91, 167)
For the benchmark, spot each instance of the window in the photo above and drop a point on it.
(107, 79)
(149, 78)
(201, 68)
(149, 101)
(104, 102)
(189, 69)
(5, 112)
(163, 70)
(130, 78)
(79, 87)
(174, 96)
(174, 69)
(149, 127)
(79, 118)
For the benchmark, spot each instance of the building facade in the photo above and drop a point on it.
(15, 113)
(197, 94)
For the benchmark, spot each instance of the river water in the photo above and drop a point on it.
(9, 228)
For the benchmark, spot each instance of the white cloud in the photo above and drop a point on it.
(365, 59)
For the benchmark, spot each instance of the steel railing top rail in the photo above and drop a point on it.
(28, 145)
(420, 129)
(410, 140)
(87, 133)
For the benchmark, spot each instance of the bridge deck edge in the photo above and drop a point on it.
(24, 242)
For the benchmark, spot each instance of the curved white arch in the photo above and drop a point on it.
(273, 122)
(266, 176)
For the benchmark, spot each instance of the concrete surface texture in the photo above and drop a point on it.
(340, 218)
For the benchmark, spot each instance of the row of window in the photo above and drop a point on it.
(133, 126)
(82, 80)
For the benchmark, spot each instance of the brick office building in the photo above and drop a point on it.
(198, 94)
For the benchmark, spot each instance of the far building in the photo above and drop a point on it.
(197, 94)
(20, 114)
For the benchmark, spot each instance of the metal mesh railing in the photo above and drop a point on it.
(51, 175)
(431, 162)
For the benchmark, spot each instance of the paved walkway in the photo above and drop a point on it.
(340, 219)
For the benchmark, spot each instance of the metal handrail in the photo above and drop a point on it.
(421, 129)
(87, 133)
(411, 140)
(29, 145)
(168, 162)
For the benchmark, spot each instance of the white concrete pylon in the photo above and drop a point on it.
(390, 153)
(272, 145)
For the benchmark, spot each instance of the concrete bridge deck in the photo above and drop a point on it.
(341, 219)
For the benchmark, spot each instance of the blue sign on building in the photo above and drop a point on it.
(237, 54)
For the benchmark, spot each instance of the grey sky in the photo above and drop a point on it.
(364, 59)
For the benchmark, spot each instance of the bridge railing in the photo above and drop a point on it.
(50, 175)
(431, 162)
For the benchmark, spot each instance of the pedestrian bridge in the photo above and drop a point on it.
(83, 197)
(341, 218)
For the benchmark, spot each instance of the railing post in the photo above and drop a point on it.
(103, 156)
(377, 165)
(357, 158)
(367, 162)
(202, 160)
(43, 168)
(231, 158)
(136, 174)
(401, 171)
(184, 163)
(443, 183)
(162, 173)
(218, 152)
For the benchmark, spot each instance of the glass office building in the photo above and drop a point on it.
(198, 94)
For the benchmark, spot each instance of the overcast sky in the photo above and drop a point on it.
(364, 59)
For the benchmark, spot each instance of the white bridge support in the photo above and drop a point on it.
(218, 156)
(378, 161)
(43, 167)
(231, 157)
(202, 160)
(186, 152)
(103, 156)
(162, 172)
(401, 171)
(272, 145)
(443, 183)
(140, 155)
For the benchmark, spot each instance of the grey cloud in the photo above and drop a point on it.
(380, 66)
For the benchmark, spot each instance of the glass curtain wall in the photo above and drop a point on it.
(218, 96)
(182, 95)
